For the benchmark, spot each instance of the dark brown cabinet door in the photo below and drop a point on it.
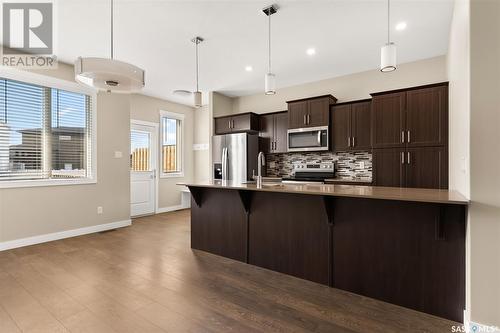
(361, 126)
(341, 127)
(318, 112)
(389, 167)
(280, 132)
(388, 120)
(427, 117)
(245, 122)
(427, 167)
(297, 114)
(266, 133)
(223, 125)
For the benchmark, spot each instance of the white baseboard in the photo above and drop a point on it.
(62, 234)
(473, 327)
(170, 209)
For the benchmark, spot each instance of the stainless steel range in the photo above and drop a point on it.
(313, 172)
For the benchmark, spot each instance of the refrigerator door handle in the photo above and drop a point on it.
(224, 165)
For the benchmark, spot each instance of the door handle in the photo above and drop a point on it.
(408, 136)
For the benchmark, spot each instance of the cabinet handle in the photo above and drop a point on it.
(308, 119)
(305, 120)
(348, 141)
(232, 122)
(229, 124)
(402, 158)
(402, 136)
(408, 136)
(274, 145)
(354, 141)
(408, 157)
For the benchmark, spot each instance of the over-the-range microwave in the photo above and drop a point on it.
(308, 139)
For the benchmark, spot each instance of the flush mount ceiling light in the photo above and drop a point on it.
(401, 26)
(270, 78)
(388, 51)
(311, 51)
(109, 74)
(248, 68)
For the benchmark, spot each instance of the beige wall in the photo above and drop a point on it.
(148, 109)
(458, 62)
(349, 87)
(484, 223)
(221, 105)
(26, 212)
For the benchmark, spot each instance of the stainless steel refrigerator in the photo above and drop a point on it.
(235, 156)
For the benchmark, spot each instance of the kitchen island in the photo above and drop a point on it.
(400, 245)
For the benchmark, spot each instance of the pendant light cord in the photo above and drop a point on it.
(269, 39)
(112, 29)
(388, 21)
(196, 42)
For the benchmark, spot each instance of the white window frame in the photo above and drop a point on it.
(52, 82)
(181, 117)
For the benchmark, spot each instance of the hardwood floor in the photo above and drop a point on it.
(146, 278)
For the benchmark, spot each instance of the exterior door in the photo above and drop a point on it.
(143, 160)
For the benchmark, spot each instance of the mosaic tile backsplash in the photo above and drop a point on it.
(348, 166)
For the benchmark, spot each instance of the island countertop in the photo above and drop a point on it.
(351, 191)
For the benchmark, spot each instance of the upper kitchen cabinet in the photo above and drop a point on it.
(244, 122)
(412, 117)
(310, 112)
(427, 116)
(351, 126)
(273, 129)
(388, 120)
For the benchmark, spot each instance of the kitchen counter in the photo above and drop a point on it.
(352, 191)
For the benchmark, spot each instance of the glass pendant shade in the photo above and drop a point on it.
(197, 99)
(270, 84)
(388, 58)
(109, 75)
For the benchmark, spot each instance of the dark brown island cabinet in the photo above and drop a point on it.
(310, 112)
(351, 126)
(273, 132)
(406, 252)
(409, 131)
(243, 122)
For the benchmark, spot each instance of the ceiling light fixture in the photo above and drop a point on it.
(249, 68)
(401, 26)
(109, 74)
(311, 51)
(388, 51)
(270, 78)
(197, 94)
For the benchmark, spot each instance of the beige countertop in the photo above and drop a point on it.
(352, 191)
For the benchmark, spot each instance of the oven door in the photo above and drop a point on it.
(308, 139)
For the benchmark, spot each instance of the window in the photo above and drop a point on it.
(140, 157)
(171, 144)
(45, 133)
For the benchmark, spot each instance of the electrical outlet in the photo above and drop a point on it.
(99, 210)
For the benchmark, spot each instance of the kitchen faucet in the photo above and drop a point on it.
(261, 161)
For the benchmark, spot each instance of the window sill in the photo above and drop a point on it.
(172, 175)
(45, 182)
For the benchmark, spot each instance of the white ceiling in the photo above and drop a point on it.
(155, 35)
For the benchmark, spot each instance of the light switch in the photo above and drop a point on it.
(118, 154)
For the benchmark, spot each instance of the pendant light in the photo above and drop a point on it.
(270, 78)
(109, 74)
(388, 51)
(197, 94)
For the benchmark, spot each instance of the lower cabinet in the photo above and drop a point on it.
(288, 233)
(421, 167)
